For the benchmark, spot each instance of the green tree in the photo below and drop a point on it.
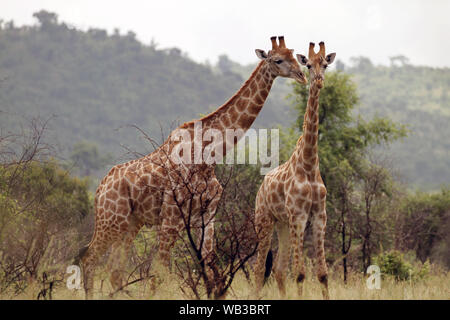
(423, 225)
(86, 157)
(344, 137)
(41, 222)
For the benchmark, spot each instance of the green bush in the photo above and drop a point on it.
(396, 264)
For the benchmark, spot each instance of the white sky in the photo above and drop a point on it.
(205, 29)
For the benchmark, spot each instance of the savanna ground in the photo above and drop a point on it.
(435, 286)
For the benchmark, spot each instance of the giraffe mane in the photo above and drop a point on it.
(212, 115)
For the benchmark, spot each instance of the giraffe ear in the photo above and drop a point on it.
(302, 59)
(330, 57)
(261, 54)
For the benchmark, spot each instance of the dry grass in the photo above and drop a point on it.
(435, 286)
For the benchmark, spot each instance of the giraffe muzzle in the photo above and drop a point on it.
(319, 81)
(300, 77)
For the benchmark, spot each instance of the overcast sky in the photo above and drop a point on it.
(205, 29)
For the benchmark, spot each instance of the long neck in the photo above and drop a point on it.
(235, 117)
(306, 152)
(241, 110)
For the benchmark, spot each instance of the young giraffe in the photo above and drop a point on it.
(293, 192)
(148, 191)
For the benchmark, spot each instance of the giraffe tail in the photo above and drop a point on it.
(269, 263)
(81, 253)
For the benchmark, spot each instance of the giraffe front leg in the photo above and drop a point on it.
(319, 221)
(207, 247)
(297, 224)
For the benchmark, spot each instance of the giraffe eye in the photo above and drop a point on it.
(278, 61)
(308, 66)
(325, 66)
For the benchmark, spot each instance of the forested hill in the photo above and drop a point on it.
(96, 83)
(416, 96)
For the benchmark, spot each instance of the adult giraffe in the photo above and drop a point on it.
(294, 192)
(149, 191)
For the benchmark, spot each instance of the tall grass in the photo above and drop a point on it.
(434, 286)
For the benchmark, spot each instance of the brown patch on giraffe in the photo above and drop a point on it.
(274, 197)
(264, 93)
(315, 196)
(144, 181)
(307, 166)
(112, 195)
(121, 209)
(280, 188)
(246, 93)
(323, 192)
(241, 104)
(122, 202)
(233, 115)
(258, 100)
(254, 109)
(301, 176)
(253, 87)
(155, 211)
(107, 214)
(299, 202)
(132, 177)
(245, 121)
(307, 152)
(147, 205)
(226, 120)
(306, 191)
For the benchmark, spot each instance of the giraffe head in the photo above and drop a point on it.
(281, 61)
(316, 63)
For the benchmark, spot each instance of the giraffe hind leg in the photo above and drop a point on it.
(89, 261)
(282, 258)
(120, 253)
(101, 242)
(264, 226)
